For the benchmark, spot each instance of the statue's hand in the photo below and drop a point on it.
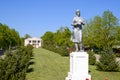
(82, 23)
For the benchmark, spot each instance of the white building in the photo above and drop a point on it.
(35, 42)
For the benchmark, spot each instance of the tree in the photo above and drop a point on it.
(15, 37)
(15, 64)
(58, 42)
(62, 37)
(101, 31)
(108, 63)
(48, 38)
(118, 35)
(8, 37)
(27, 36)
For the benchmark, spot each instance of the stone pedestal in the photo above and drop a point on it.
(78, 66)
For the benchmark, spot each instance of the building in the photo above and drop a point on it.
(35, 42)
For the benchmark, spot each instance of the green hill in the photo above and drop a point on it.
(48, 65)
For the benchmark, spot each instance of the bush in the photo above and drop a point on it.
(92, 58)
(108, 63)
(117, 54)
(15, 64)
(62, 50)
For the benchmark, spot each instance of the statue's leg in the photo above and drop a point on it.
(81, 47)
(80, 32)
(76, 46)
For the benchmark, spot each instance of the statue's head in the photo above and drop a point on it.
(77, 12)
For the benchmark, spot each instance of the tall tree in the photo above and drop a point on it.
(48, 38)
(8, 37)
(118, 35)
(101, 31)
(58, 41)
(62, 37)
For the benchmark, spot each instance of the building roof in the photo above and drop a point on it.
(33, 38)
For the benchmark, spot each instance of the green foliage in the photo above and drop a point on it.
(108, 63)
(22, 39)
(8, 37)
(101, 32)
(59, 41)
(48, 38)
(51, 66)
(62, 37)
(27, 36)
(92, 58)
(62, 50)
(15, 64)
(117, 54)
(118, 35)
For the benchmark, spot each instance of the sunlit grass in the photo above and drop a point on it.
(48, 66)
(100, 75)
(51, 66)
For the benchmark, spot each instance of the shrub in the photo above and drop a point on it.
(62, 50)
(92, 58)
(117, 54)
(108, 63)
(15, 64)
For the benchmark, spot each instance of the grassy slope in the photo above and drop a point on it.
(50, 66)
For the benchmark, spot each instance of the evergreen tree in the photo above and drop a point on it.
(108, 63)
(15, 64)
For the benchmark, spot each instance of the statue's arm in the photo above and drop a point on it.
(74, 22)
(83, 23)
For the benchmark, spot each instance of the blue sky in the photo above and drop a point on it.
(35, 17)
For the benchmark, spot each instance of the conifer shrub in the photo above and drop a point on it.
(108, 63)
(15, 64)
(92, 58)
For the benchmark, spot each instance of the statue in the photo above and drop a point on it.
(77, 31)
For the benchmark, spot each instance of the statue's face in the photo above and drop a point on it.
(78, 13)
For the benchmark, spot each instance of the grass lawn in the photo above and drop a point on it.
(51, 66)
(48, 66)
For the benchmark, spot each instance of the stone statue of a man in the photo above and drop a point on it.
(77, 30)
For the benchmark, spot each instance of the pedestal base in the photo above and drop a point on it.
(80, 77)
(78, 67)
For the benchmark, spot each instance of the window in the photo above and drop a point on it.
(34, 41)
(38, 41)
(30, 41)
